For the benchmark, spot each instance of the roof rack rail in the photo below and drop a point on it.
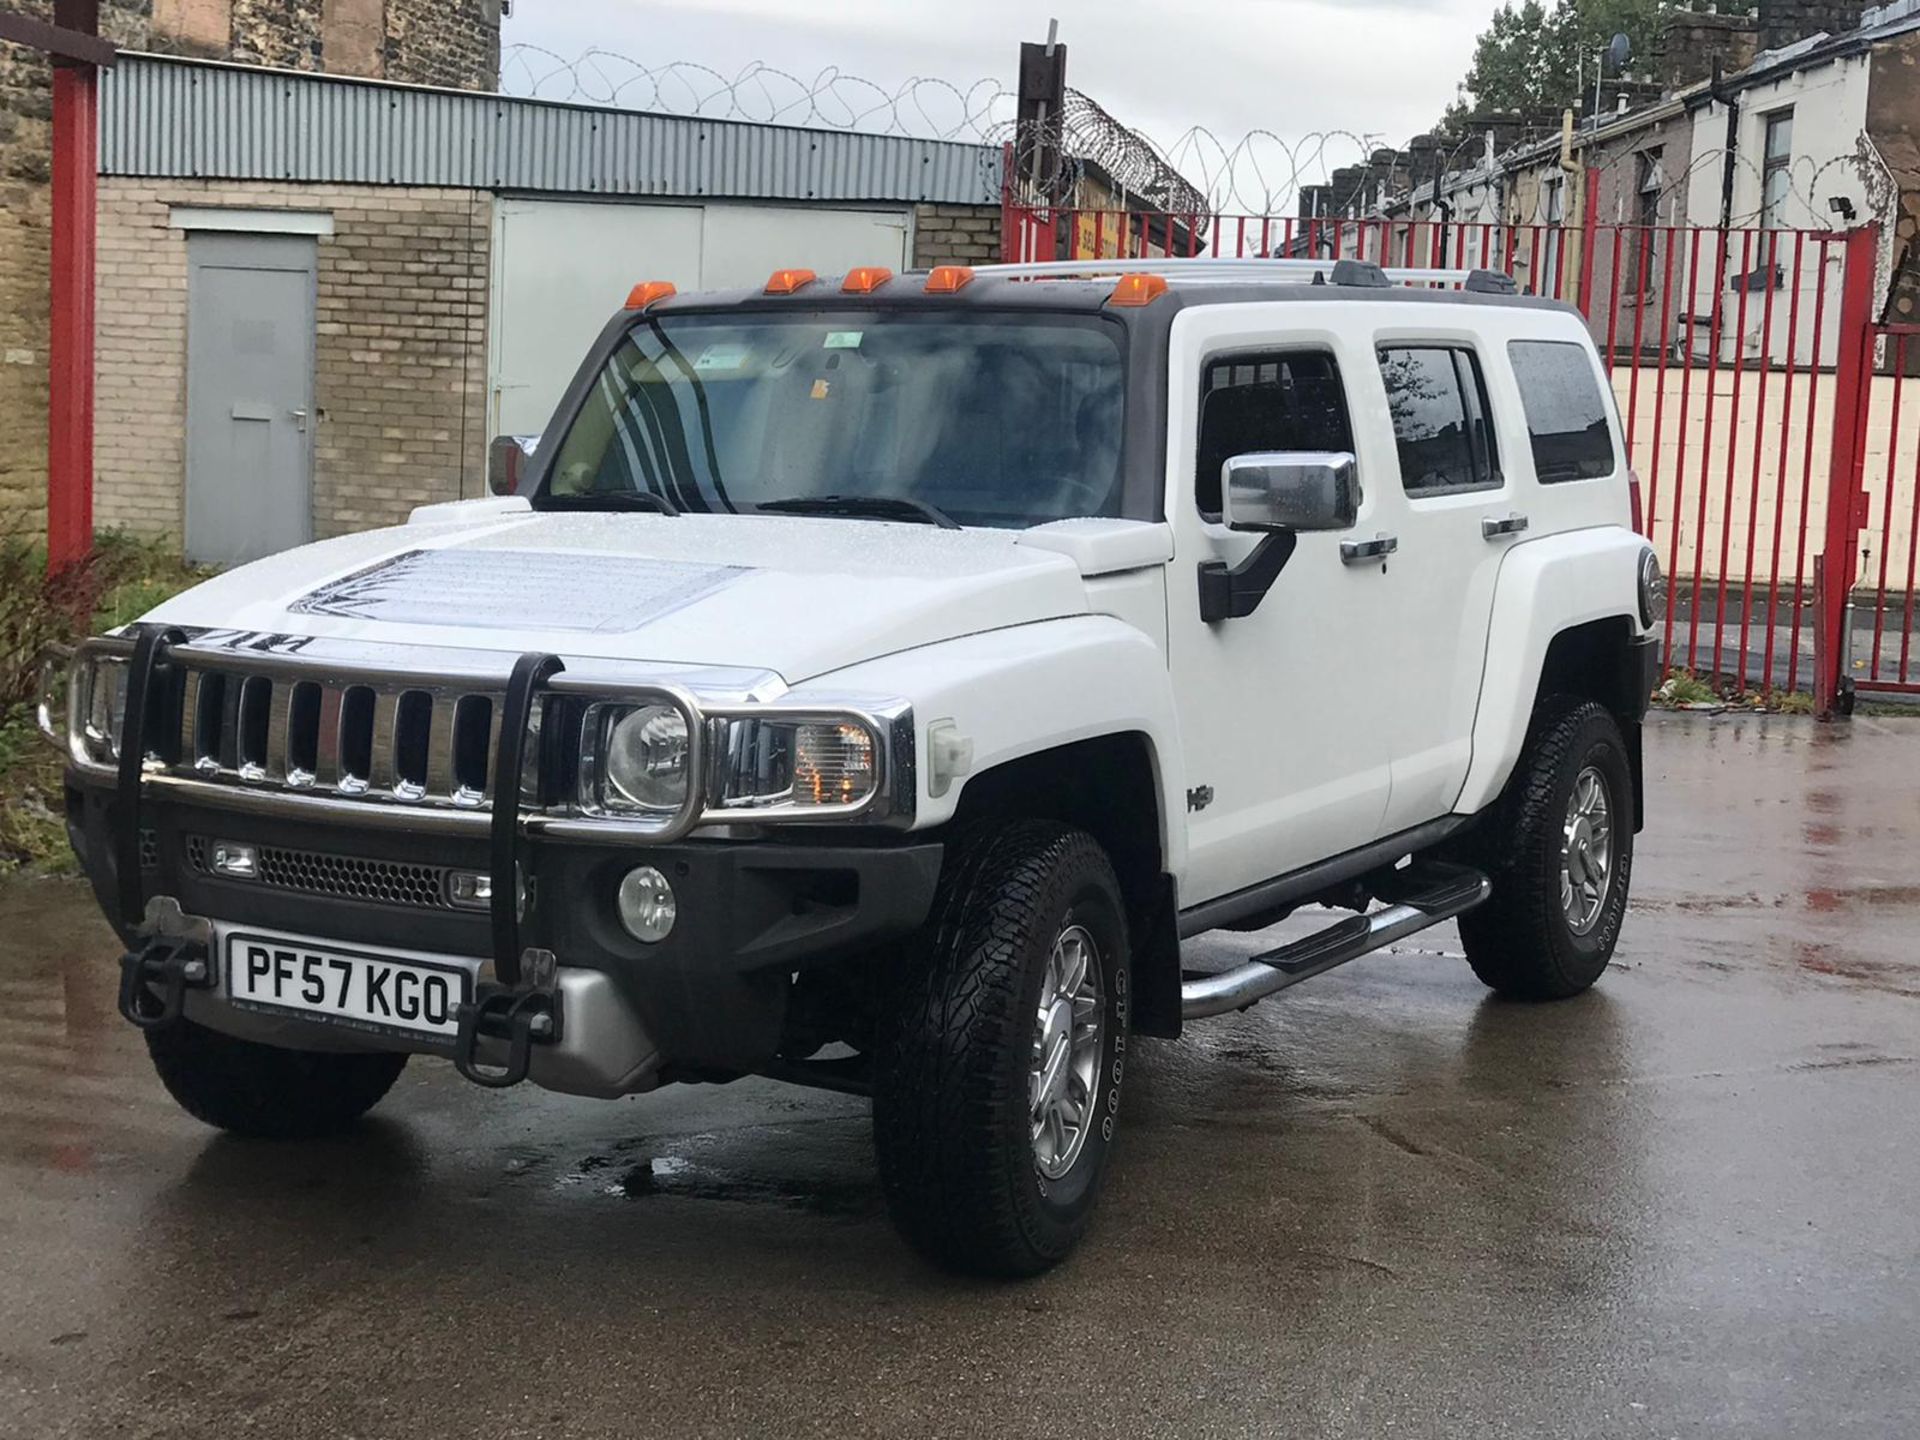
(1355, 274)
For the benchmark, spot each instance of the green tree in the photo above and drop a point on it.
(1534, 56)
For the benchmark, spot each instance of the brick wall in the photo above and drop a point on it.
(433, 42)
(419, 42)
(955, 235)
(451, 42)
(1689, 44)
(1784, 21)
(26, 109)
(400, 363)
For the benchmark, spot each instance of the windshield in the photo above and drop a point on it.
(1007, 420)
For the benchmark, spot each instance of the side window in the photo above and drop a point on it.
(1263, 403)
(1439, 405)
(1566, 411)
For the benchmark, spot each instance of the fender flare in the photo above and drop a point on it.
(1545, 588)
(1012, 693)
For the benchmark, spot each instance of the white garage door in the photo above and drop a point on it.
(561, 268)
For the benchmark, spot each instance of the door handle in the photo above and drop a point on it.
(1365, 552)
(1494, 529)
(299, 419)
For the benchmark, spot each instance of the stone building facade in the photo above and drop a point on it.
(429, 42)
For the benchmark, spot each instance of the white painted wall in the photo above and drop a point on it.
(562, 267)
(1829, 104)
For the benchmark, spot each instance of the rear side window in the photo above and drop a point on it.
(1266, 403)
(1566, 411)
(1439, 406)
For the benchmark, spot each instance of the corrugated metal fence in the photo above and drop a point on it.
(187, 119)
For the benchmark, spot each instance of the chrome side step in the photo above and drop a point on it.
(1431, 894)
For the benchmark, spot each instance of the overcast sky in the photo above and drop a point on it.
(1383, 68)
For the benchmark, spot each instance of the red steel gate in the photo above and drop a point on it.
(1753, 386)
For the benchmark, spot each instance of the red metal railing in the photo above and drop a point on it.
(1733, 353)
(1879, 651)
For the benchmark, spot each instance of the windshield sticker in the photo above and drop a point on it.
(821, 389)
(722, 357)
(844, 339)
(491, 589)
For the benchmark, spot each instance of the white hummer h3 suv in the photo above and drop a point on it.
(870, 683)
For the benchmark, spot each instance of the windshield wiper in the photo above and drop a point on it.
(872, 507)
(645, 501)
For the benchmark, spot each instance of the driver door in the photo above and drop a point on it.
(1284, 713)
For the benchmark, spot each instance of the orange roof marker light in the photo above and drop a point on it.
(785, 282)
(948, 279)
(647, 292)
(866, 279)
(1138, 289)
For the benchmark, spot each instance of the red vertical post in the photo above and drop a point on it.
(1852, 394)
(70, 338)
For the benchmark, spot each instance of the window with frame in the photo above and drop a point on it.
(1438, 400)
(1568, 418)
(1776, 175)
(1646, 257)
(1272, 402)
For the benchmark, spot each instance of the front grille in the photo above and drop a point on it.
(387, 740)
(346, 877)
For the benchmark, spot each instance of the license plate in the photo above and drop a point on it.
(362, 989)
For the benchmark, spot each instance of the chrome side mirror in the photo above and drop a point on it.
(507, 458)
(1300, 490)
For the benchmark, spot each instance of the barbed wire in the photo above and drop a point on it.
(920, 107)
(1199, 174)
(1262, 171)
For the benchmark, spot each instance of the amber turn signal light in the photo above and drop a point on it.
(947, 279)
(1138, 290)
(647, 292)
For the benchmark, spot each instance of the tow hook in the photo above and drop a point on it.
(176, 956)
(522, 1015)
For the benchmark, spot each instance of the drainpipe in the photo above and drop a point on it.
(1730, 99)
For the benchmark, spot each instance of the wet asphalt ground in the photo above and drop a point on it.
(1687, 1204)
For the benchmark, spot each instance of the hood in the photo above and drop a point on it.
(798, 596)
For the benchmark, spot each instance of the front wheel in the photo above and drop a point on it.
(997, 1079)
(1562, 859)
(263, 1091)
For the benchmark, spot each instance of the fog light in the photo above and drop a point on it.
(235, 862)
(646, 903)
(470, 890)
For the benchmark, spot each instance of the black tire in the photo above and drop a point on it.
(263, 1091)
(951, 1114)
(1522, 942)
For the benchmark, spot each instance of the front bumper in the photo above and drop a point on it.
(711, 997)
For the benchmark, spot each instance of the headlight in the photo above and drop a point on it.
(805, 765)
(636, 761)
(648, 753)
(659, 766)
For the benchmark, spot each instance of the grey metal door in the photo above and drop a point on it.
(249, 395)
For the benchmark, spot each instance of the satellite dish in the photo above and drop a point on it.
(1619, 52)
